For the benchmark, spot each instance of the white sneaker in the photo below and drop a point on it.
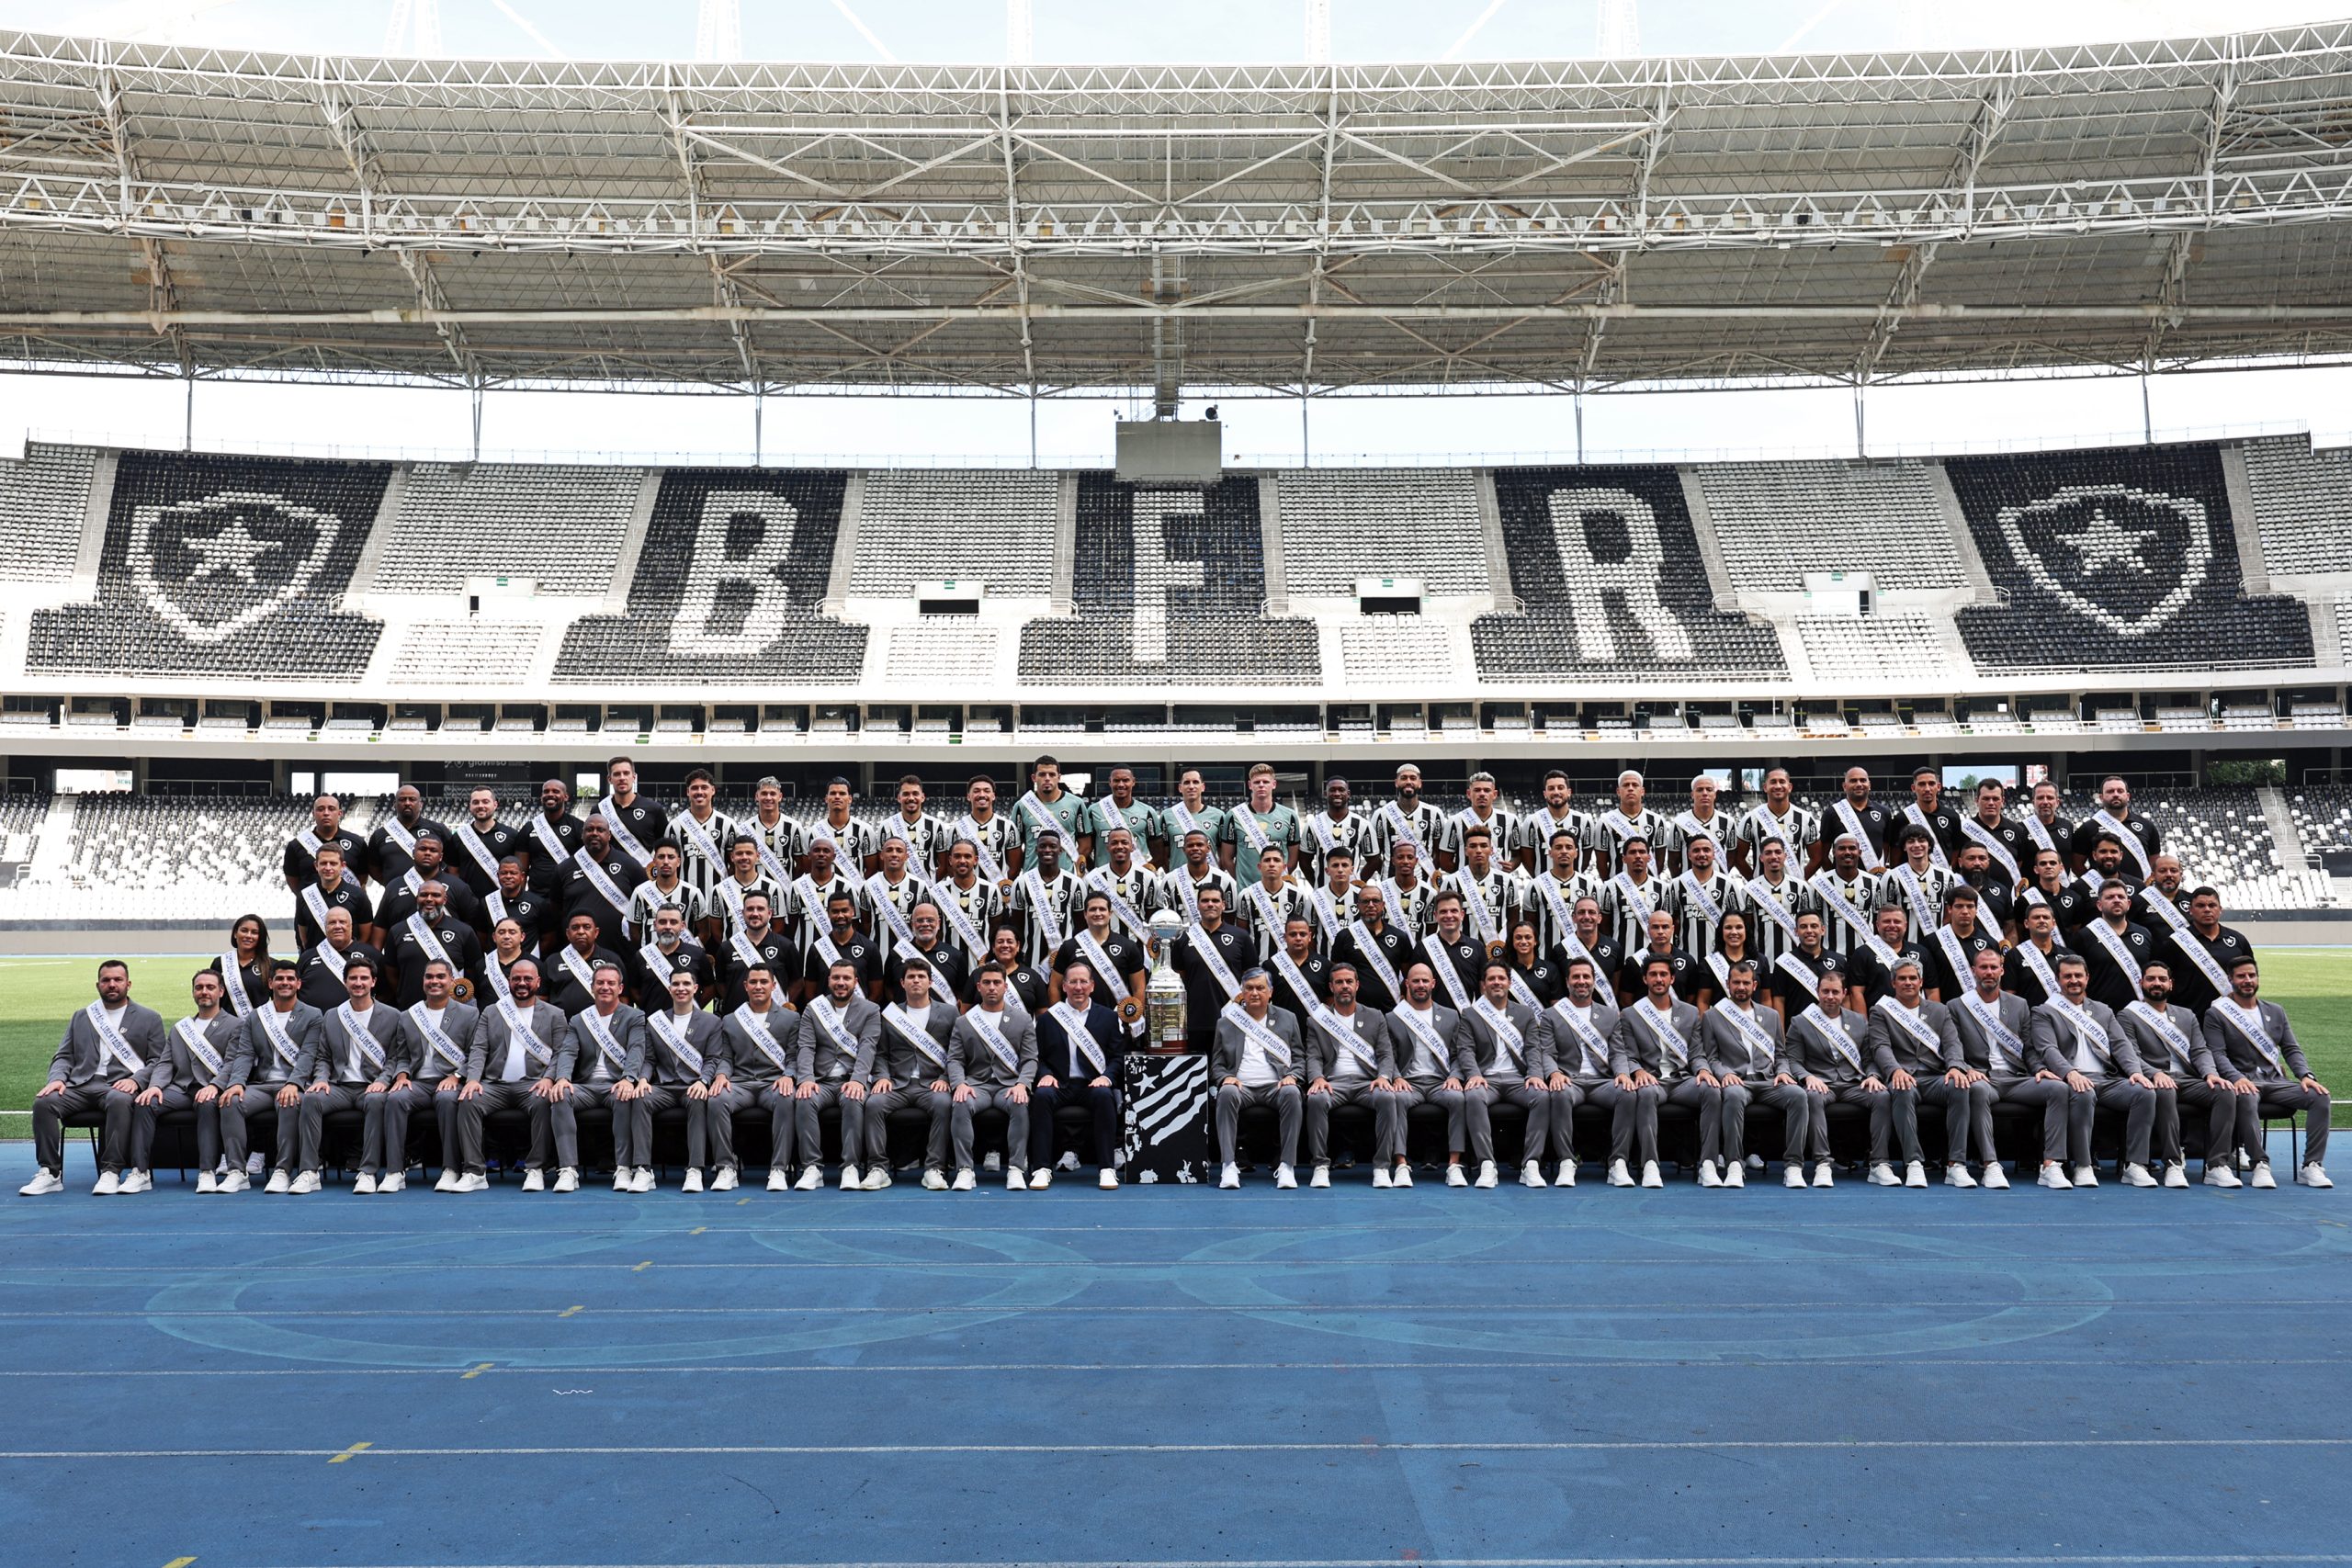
(137, 1181)
(1379, 1177)
(1566, 1174)
(43, 1184)
(254, 1164)
(1957, 1175)
(623, 1180)
(1914, 1174)
(392, 1183)
(235, 1181)
(992, 1162)
(1015, 1179)
(1455, 1176)
(280, 1182)
(851, 1181)
(1618, 1175)
(1488, 1175)
(1108, 1180)
(779, 1180)
(1286, 1179)
(2313, 1176)
(1650, 1177)
(934, 1181)
(2263, 1182)
(725, 1179)
(472, 1181)
(2138, 1175)
(108, 1184)
(1823, 1176)
(1041, 1178)
(1996, 1178)
(876, 1179)
(693, 1183)
(2222, 1175)
(1229, 1179)
(448, 1182)
(963, 1182)
(1883, 1175)
(1532, 1174)
(1404, 1176)
(1707, 1177)
(2176, 1175)
(1755, 1163)
(2086, 1176)
(643, 1181)
(534, 1181)
(1792, 1176)
(1735, 1176)
(2054, 1176)
(206, 1184)
(567, 1181)
(308, 1182)
(1320, 1177)
(811, 1177)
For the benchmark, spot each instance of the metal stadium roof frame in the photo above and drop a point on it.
(1291, 228)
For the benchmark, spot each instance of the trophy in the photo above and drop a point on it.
(1163, 993)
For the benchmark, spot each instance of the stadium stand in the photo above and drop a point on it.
(2324, 817)
(467, 653)
(1861, 646)
(1168, 585)
(1389, 650)
(2300, 500)
(2116, 558)
(42, 500)
(1341, 525)
(561, 526)
(169, 858)
(1606, 567)
(993, 526)
(20, 821)
(943, 650)
(202, 550)
(730, 585)
(1882, 518)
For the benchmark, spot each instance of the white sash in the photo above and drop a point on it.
(1326, 838)
(1563, 913)
(1097, 955)
(1774, 909)
(622, 834)
(2254, 1033)
(1759, 1038)
(1514, 1045)
(438, 1038)
(958, 921)
(2118, 949)
(579, 968)
(992, 1033)
(1451, 980)
(1722, 967)
(316, 903)
(2165, 909)
(665, 1024)
(1043, 820)
(484, 856)
(658, 967)
(1675, 1054)
(1341, 1033)
(835, 1021)
(1188, 822)
(1103, 880)
(1625, 885)
(309, 838)
(1218, 968)
(598, 878)
(1833, 1033)
(1424, 1030)
(329, 957)
(429, 942)
(1251, 829)
(1262, 1032)
(1914, 893)
(2086, 1028)
(1596, 1048)
(537, 1055)
(1954, 954)
(233, 980)
(1368, 945)
(496, 905)
(2039, 833)
(730, 894)
(1793, 965)
(1523, 993)
(755, 1028)
(392, 829)
(358, 1034)
(1988, 1018)
(749, 956)
(199, 1044)
(911, 1031)
(412, 881)
(812, 904)
(968, 829)
(2131, 844)
(1623, 826)
(1041, 905)
(770, 862)
(2206, 964)
(2041, 967)
(1990, 843)
(112, 1043)
(1689, 827)
(1706, 899)
(1935, 840)
(1113, 817)
(1402, 829)
(1271, 921)
(700, 836)
(1914, 1023)
(2182, 1052)
(272, 1023)
(1851, 820)
(848, 864)
(549, 838)
(1403, 907)
(1836, 903)
(1187, 894)
(615, 1057)
(1326, 912)
(1482, 919)
(1082, 1039)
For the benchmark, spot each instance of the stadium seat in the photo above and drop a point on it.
(561, 526)
(1882, 518)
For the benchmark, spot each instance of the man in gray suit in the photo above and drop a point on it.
(511, 1065)
(1420, 1038)
(2171, 1043)
(351, 1070)
(2078, 1038)
(910, 1070)
(1739, 1049)
(1577, 1028)
(1915, 1050)
(603, 1047)
(1347, 1058)
(1994, 1027)
(1827, 1051)
(435, 1033)
(757, 1045)
(992, 1063)
(1497, 1056)
(100, 1057)
(1650, 1056)
(680, 1040)
(2253, 1044)
(1258, 1059)
(839, 1030)
(264, 1079)
(186, 1076)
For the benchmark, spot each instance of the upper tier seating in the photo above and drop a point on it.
(992, 525)
(728, 587)
(1341, 525)
(1882, 518)
(2303, 501)
(1863, 647)
(222, 565)
(1169, 587)
(1607, 566)
(943, 650)
(561, 526)
(1400, 650)
(42, 501)
(2116, 558)
(468, 653)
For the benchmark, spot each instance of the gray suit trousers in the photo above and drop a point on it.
(1960, 1107)
(920, 1096)
(497, 1094)
(143, 1119)
(2048, 1093)
(237, 1118)
(783, 1119)
(563, 1119)
(1016, 1125)
(633, 1122)
(1421, 1091)
(810, 1131)
(1388, 1120)
(48, 1124)
(2221, 1118)
(343, 1097)
(1231, 1097)
(1562, 1139)
(1878, 1101)
(2285, 1100)
(2137, 1105)
(1477, 1107)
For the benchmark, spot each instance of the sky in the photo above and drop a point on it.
(1783, 422)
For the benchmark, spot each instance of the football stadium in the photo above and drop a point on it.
(1569, 997)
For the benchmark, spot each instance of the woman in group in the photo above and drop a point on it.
(1731, 946)
(244, 966)
(1535, 979)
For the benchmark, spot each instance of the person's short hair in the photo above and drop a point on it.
(2246, 961)
(768, 781)
(698, 775)
(1336, 966)
(836, 963)
(276, 965)
(1924, 772)
(1474, 831)
(907, 965)
(1629, 839)
(1078, 963)
(1960, 895)
(1442, 897)
(1260, 769)
(2072, 961)
(1744, 966)
(990, 967)
(1576, 964)
(1900, 964)
(1489, 967)
(1657, 961)
(603, 966)
(2155, 963)
(755, 893)
(2205, 892)
(1255, 972)
(514, 860)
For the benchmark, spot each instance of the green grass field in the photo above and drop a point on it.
(2314, 984)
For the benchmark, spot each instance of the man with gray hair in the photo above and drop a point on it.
(1258, 1059)
(1916, 1051)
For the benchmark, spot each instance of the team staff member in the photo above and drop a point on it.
(429, 936)
(2078, 1037)
(839, 1030)
(1081, 1044)
(603, 1047)
(100, 1057)
(911, 1074)
(674, 1076)
(600, 881)
(2263, 1056)
(756, 1049)
(1496, 1055)
(1994, 1027)
(1259, 1059)
(1739, 1048)
(1651, 1058)
(322, 963)
(1579, 1026)
(350, 1070)
(991, 1063)
(508, 1069)
(434, 1034)
(185, 1077)
(1916, 1052)
(264, 1079)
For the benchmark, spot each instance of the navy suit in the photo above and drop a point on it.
(1058, 1059)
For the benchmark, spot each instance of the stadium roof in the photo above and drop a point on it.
(1274, 227)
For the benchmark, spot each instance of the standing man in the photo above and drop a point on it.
(1853, 812)
(992, 1063)
(969, 903)
(1539, 830)
(1633, 895)
(1777, 817)
(1336, 828)
(2044, 829)
(1081, 1044)
(1502, 829)
(329, 890)
(1916, 884)
(1255, 826)
(399, 901)
(1406, 819)
(550, 840)
(480, 842)
(1045, 897)
(636, 823)
(1121, 810)
(301, 860)
(350, 1070)
(1378, 950)
(1210, 956)
(701, 833)
(1494, 894)
(856, 845)
(1928, 811)
(760, 945)
(511, 1060)
(1049, 805)
(1259, 1059)
(105, 1051)
(600, 882)
(2007, 845)
(1615, 829)
(1847, 894)
(1191, 814)
(756, 1047)
(2113, 948)
(723, 913)
(2141, 839)
(995, 840)
(2254, 1045)
(2208, 950)
(1703, 821)
(431, 935)
(322, 964)
(784, 842)
(391, 848)
(1701, 895)
(1772, 897)
(515, 900)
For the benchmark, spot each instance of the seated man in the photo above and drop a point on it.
(1080, 1043)
(1496, 1056)
(1258, 1059)
(436, 1034)
(2078, 1037)
(2180, 1066)
(839, 1031)
(1349, 1058)
(910, 1070)
(351, 1070)
(992, 1063)
(105, 1049)
(264, 1079)
(1739, 1048)
(675, 1076)
(1579, 1026)
(2254, 1045)
(1651, 1058)
(1826, 1048)
(186, 1076)
(1994, 1026)
(1915, 1050)
(603, 1047)
(511, 1067)
(1420, 1037)
(756, 1049)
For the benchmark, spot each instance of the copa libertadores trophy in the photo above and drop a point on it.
(1163, 994)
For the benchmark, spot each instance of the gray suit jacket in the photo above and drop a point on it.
(1634, 1044)
(493, 1036)
(2054, 1038)
(177, 1066)
(902, 1063)
(824, 1057)
(1810, 1054)
(1978, 1050)
(257, 1060)
(1893, 1045)
(1726, 1051)
(2160, 1054)
(1369, 1025)
(81, 1057)
(2228, 1043)
(1224, 1057)
(744, 1060)
(1566, 1050)
(1477, 1049)
(423, 1060)
(577, 1057)
(972, 1060)
(330, 1052)
(1416, 1057)
(663, 1062)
